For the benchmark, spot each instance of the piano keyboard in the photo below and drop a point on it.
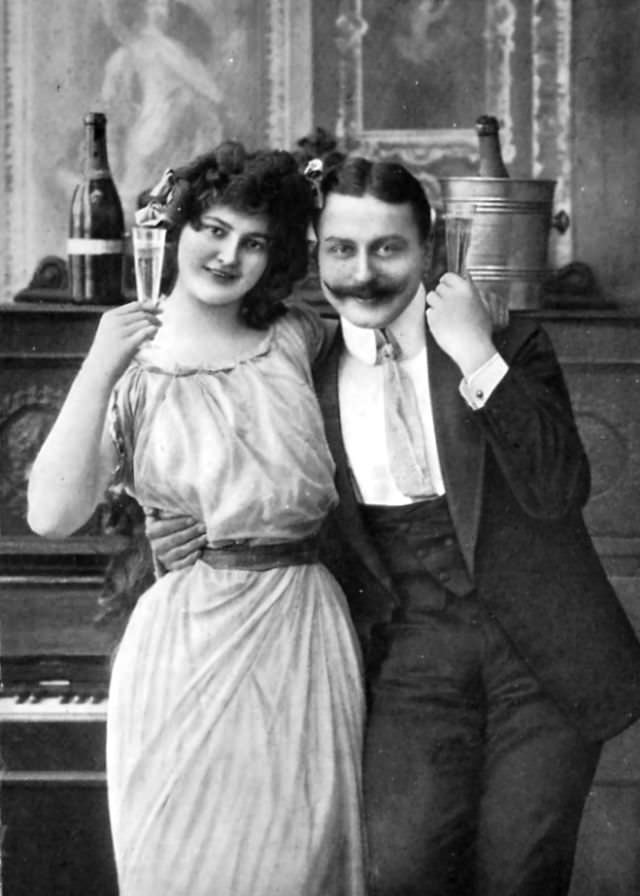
(52, 709)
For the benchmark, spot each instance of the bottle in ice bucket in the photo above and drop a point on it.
(96, 225)
(491, 164)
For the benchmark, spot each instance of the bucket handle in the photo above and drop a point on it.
(561, 221)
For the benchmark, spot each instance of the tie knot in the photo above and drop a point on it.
(387, 348)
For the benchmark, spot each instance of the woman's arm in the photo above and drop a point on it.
(76, 461)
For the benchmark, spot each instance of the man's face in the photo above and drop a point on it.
(370, 258)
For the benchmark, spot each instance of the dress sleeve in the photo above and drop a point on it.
(125, 399)
(307, 324)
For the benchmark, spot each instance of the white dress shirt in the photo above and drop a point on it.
(360, 391)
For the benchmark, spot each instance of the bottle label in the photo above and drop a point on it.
(86, 246)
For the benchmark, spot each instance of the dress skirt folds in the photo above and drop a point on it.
(236, 708)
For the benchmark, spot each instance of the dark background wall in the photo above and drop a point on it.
(606, 157)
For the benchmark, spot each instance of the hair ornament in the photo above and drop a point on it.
(163, 205)
(313, 173)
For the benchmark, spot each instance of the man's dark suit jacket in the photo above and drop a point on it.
(516, 478)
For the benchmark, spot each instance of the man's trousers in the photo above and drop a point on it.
(474, 780)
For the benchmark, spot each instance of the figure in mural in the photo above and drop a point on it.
(161, 100)
(236, 705)
(413, 38)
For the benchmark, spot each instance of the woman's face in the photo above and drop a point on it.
(219, 263)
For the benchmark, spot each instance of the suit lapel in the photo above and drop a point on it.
(347, 514)
(460, 448)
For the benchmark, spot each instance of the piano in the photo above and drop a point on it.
(55, 655)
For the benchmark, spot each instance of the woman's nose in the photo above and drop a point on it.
(228, 250)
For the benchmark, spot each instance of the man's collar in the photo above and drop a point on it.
(361, 341)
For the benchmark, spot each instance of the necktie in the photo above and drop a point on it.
(406, 447)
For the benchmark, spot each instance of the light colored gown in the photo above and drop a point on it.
(236, 705)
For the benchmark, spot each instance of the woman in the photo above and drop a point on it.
(236, 706)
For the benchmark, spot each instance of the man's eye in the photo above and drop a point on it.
(387, 249)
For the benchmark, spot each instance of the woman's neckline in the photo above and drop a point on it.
(160, 355)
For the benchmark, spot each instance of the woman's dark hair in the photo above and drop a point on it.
(387, 181)
(261, 183)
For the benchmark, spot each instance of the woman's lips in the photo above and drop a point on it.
(221, 275)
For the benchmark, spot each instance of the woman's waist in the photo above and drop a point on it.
(250, 554)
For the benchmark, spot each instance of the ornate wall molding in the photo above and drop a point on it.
(288, 49)
(499, 38)
(4, 74)
(551, 150)
(16, 18)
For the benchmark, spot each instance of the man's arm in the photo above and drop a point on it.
(529, 424)
(176, 541)
(527, 416)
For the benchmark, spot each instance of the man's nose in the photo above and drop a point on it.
(362, 268)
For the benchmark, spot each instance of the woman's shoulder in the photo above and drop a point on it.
(130, 389)
(303, 327)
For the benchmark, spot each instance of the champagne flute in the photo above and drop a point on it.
(458, 221)
(148, 255)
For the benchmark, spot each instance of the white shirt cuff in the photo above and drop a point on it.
(477, 388)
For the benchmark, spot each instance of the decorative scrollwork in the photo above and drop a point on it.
(26, 416)
(351, 28)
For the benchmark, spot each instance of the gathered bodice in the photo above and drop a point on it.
(240, 446)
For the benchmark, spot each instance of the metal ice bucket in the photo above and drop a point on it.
(510, 235)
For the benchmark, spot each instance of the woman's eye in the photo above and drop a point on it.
(340, 251)
(216, 231)
(256, 245)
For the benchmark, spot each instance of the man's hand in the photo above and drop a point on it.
(461, 323)
(176, 541)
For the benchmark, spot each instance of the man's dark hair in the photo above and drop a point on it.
(386, 181)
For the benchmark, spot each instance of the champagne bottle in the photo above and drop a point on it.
(491, 164)
(96, 224)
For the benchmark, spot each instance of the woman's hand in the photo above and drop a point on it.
(120, 334)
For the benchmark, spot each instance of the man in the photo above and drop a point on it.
(498, 657)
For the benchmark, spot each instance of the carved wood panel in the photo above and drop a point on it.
(600, 356)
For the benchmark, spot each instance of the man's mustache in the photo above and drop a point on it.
(373, 289)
